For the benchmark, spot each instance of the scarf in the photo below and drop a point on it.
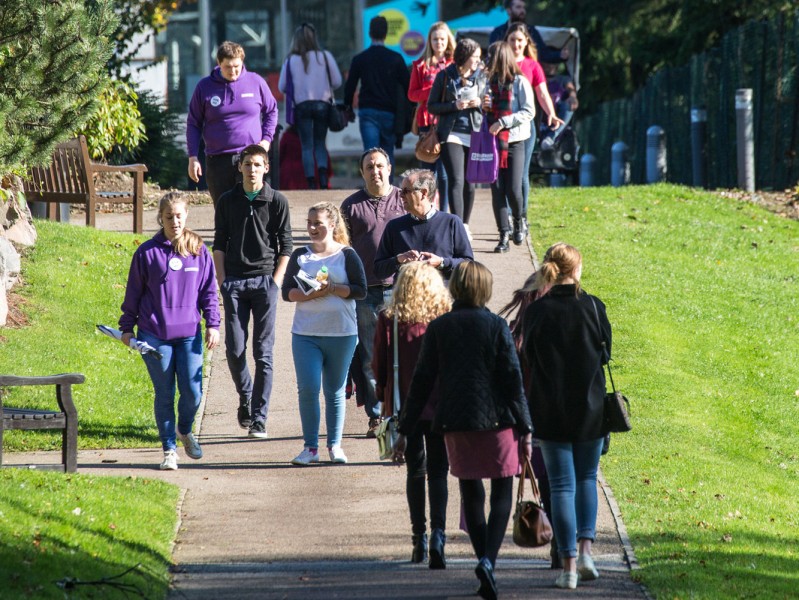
(501, 98)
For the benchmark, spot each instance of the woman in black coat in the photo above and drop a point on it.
(481, 409)
(567, 339)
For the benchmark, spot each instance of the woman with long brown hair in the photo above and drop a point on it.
(508, 105)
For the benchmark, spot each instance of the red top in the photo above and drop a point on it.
(533, 71)
(422, 78)
(410, 343)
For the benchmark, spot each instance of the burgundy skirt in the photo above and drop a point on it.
(483, 454)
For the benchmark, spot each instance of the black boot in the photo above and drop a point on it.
(437, 541)
(311, 183)
(502, 246)
(323, 179)
(519, 231)
(419, 553)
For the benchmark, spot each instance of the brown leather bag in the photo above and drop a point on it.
(531, 528)
(428, 148)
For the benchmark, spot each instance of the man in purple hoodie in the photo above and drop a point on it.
(230, 109)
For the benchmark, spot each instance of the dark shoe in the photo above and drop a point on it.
(419, 554)
(519, 231)
(244, 416)
(374, 423)
(258, 430)
(437, 541)
(311, 183)
(485, 573)
(502, 246)
(323, 181)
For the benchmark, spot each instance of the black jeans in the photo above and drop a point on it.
(461, 193)
(221, 174)
(507, 189)
(434, 464)
(487, 536)
(241, 298)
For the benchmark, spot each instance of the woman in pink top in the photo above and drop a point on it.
(437, 55)
(526, 55)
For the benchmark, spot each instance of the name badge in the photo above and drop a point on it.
(248, 95)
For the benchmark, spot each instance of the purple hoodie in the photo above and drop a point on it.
(230, 115)
(166, 291)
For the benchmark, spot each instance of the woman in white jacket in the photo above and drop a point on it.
(508, 105)
(314, 76)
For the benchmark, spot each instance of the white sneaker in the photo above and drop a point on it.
(170, 461)
(586, 568)
(567, 580)
(337, 455)
(191, 445)
(306, 457)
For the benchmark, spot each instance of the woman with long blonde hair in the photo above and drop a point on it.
(324, 332)
(171, 287)
(437, 56)
(420, 296)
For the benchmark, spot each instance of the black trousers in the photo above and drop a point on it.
(461, 193)
(506, 191)
(426, 455)
(221, 174)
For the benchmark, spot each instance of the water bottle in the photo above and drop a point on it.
(322, 275)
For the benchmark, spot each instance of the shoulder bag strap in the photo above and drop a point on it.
(329, 79)
(396, 368)
(604, 347)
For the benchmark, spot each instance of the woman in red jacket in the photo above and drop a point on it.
(437, 55)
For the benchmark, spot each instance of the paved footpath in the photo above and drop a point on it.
(254, 526)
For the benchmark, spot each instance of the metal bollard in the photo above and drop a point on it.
(655, 154)
(557, 180)
(619, 165)
(588, 170)
(745, 136)
(698, 151)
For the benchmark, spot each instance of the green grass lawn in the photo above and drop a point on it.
(56, 529)
(74, 279)
(703, 296)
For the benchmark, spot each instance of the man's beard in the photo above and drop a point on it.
(518, 18)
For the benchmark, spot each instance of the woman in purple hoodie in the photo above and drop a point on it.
(170, 283)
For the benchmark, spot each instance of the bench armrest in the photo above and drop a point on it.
(100, 168)
(13, 380)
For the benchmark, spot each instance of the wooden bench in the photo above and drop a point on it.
(70, 179)
(65, 419)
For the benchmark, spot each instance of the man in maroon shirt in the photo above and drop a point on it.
(366, 213)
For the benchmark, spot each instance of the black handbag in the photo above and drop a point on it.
(337, 117)
(616, 412)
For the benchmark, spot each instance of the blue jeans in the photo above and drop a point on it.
(572, 468)
(366, 311)
(242, 297)
(377, 130)
(310, 118)
(529, 144)
(182, 360)
(564, 111)
(322, 361)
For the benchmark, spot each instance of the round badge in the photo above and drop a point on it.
(175, 263)
(216, 101)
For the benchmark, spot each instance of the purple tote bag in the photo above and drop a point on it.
(483, 164)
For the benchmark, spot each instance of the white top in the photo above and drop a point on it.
(312, 85)
(330, 315)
